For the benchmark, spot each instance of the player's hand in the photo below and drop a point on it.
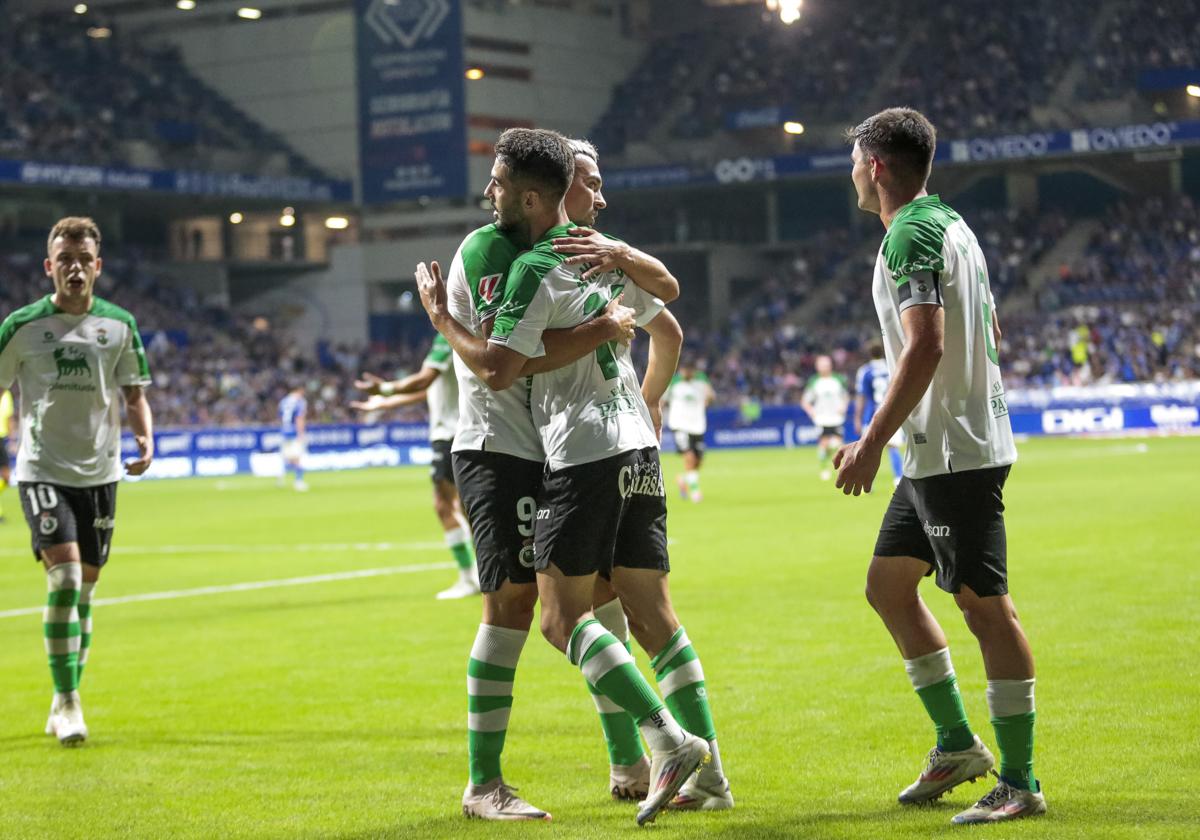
(375, 403)
(587, 246)
(432, 290)
(621, 319)
(138, 465)
(369, 382)
(857, 466)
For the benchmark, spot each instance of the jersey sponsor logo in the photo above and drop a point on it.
(640, 480)
(621, 402)
(104, 523)
(936, 530)
(488, 287)
(71, 362)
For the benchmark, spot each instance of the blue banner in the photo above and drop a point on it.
(1038, 144)
(1107, 410)
(180, 182)
(412, 125)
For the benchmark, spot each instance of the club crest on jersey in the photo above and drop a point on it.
(488, 287)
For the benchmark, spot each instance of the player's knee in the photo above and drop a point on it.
(556, 628)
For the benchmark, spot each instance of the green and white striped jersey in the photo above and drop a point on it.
(930, 256)
(442, 395)
(70, 369)
(593, 408)
(496, 421)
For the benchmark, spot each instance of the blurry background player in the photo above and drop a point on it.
(870, 385)
(6, 430)
(293, 412)
(687, 402)
(440, 391)
(73, 355)
(826, 400)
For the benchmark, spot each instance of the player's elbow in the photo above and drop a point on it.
(670, 290)
(498, 380)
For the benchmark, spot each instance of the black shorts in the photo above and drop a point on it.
(832, 431)
(5, 462)
(498, 493)
(687, 442)
(955, 523)
(603, 514)
(58, 515)
(441, 467)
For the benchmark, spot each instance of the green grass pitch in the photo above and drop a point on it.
(336, 709)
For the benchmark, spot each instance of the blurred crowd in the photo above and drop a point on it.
(69, 98)
(1127, 308)
(975, 67)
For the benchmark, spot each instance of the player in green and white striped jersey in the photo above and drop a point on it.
(601, 448)
(73, 356)
(435, 383)
(947, 514)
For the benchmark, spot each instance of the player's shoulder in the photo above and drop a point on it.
(487, 250)
(916, 237)
(102, 308)
(27, 314)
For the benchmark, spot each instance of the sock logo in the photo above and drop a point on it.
(658, 721)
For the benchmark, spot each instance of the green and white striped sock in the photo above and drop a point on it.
(85, 623)
(620, 729)
(608, 666)
(490, 673)
(681, 681)
(60, 625)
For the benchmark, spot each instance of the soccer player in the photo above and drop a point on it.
(441, 395)
(293, 421)
(947, 516)
(687, 401)
(870, 384)
(74, 355)
(602, 503)
(825, 400)
(6, 430)
(498, 465)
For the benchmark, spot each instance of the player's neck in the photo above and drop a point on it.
(539, 225)
(891, 203)
(73, 306)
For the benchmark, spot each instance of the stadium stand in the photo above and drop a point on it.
(66, 97)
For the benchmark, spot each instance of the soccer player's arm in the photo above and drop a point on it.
(915, 263)
(666, 342)
(133, 375)
(564, 346)
(601, 253)
(302, 420)
(436, 362)
(378, 402)
(806, 398)
(497, 365)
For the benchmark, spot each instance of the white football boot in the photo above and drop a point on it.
(497, 801)
(629, 781)
(668, 771)
(1005, 802)
(697, 795)
(69, 727)
(945, 771)
(462, 588)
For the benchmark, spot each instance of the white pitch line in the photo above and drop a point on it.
(249, 586)
(304, 548)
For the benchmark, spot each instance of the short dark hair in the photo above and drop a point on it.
(875, 349)
(901, 137)
(538, 160)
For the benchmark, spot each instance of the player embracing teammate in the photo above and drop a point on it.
(946, 516)
(596, 508)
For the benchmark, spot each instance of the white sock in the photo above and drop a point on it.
(662, 732)
(712, 772)
(1008, 698)
(930, 669)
